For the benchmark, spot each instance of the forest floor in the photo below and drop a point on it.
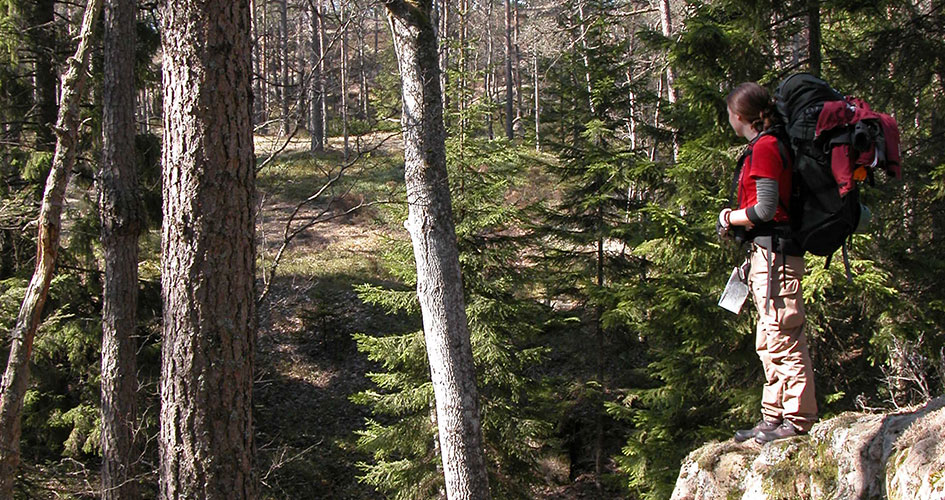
(307, 361)
(308, 364)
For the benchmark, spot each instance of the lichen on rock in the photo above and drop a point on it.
(896, 455)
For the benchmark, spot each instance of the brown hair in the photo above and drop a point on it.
(753, 103)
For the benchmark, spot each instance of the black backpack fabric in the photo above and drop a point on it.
(836, 141)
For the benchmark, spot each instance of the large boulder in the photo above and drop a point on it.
(899, 456)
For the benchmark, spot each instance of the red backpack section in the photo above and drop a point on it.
(861, 141)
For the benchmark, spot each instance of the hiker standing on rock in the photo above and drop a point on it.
(788, 404)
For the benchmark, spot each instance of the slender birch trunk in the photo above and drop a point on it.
(439, 282)
(585, 58)
(666, 23)
(17, 374)
(537, 102)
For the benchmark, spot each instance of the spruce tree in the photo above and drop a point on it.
(505, 324)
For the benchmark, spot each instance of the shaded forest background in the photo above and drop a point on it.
(589, 154)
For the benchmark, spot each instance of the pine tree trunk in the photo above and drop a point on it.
(815, 57)
(264, 65)
(315, 114)
(362, 74)
(463, 69)
(323, 71)
(517, 124)
(509, 83)
(207, 268)
(41, 22)
(17, 374)
(118, 207)
(344, 80)
(444, 51)
(439, 283)
(490, 71)
(284, 82)
(257, 68)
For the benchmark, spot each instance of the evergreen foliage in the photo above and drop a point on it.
(506, 326)
(591, 271)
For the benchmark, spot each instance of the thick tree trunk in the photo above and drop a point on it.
(317, 126)
(118, 206)
(439, 283)
(17, 374)
(208, 254)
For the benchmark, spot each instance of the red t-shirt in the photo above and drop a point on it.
(764, 161)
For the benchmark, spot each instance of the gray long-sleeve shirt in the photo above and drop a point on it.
(767, 196)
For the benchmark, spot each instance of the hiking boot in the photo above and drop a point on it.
(763, 426)
(783, 431)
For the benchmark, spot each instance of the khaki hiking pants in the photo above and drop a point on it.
(780, 341)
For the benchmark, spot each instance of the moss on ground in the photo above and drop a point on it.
(807, 461)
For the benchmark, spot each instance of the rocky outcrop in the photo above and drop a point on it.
(897, 456)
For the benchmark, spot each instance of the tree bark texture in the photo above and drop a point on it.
(439, 283)
(585, 50)
(118, 207)
(345, 18)
(207, 265)
(317, 89)
(815, 57)
(42, 37)
(16, 376)
(323, 69)
(666, 23)
(284, 82)
(509, 102)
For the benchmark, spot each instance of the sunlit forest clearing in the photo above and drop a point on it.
(292, 249)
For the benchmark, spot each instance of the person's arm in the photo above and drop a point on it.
(763, 211)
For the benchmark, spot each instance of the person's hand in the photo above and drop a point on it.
(724, 220)
(723, 225)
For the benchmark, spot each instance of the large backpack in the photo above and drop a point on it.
(836, 141)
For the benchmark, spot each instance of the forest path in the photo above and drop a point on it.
(307, 362)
